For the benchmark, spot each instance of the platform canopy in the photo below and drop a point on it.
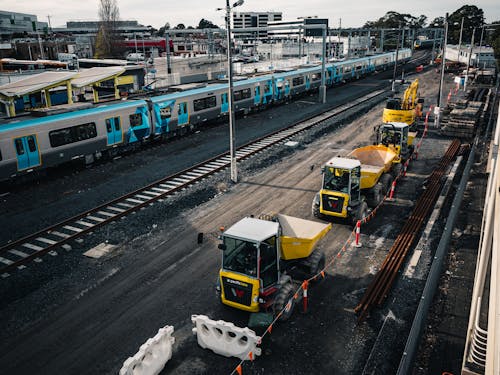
(36, 83)
(92, 76)
(42, 82)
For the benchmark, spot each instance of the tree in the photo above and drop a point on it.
(107, 35)
(180, 26)
(437, 22)
(206, 24)
(473, 17)
(396, 20)
(163, 29)
(493, 39)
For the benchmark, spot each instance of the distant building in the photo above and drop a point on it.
(242, 20)
(293, 29)
(482, 57)
(20, 23)
(125, 28)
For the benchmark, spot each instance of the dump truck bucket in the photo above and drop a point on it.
(299, 236)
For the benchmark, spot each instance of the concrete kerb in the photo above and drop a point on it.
(225, 338)
(152, 355)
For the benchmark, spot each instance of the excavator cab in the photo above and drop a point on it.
(250, 263)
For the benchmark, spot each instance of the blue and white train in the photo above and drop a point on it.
(36, 143)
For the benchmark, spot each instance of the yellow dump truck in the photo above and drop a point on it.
(406, 109)
(398, 137)
(261, 259)
(352, 184)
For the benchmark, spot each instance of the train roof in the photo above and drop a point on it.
(32, 121)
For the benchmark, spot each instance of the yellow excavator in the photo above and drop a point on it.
(264, 260)
(407, 109)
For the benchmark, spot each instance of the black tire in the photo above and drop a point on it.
(386, 182)
(361, 213)
(375, 195)
(284, 295)
(396, 170)
(316, 262)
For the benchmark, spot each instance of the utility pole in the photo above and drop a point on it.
(478, 56)
(437, 110)
(167, 40)
(340, 31)
(395, 64)
(468, 59)
(460, 39)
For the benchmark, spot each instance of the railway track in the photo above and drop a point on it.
(379, 288)
(16, 254)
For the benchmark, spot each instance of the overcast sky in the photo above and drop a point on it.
(189, 12)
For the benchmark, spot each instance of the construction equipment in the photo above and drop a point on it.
(398, 137)
(404, 110)
(262, 258)
(352, 184)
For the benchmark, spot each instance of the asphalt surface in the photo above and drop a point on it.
(72, 314)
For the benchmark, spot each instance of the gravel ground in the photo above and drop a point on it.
(72, 314)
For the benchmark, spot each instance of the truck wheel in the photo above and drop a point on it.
(375, 195)
(396, 170)
(361, 213)
(284, 296)
(386, 182)
(316, 262)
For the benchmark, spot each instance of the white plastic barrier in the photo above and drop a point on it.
(152, 355)
(225, 338)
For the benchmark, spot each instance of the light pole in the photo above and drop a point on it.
(460, 40)
(437, 110)
(234, 170)
(395, 64)
(468, 59)
(478, 55)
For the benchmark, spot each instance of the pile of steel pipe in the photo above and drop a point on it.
(381, 285)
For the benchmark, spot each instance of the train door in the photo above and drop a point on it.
(256, 97)
(114, 130)
(27, 152)
(224, 107)
(183, 114)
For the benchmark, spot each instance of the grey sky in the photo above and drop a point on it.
(189, 12)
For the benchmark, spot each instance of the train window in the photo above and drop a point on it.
(204, 103)
(316, 77)
(19, 146)
(31, 144)
(0, 155)
(117, 123)
(182, 108)
(74, 134)
(297, 81)
(108, 125)
(242, 94)
(135, 120)
(165, 113)
(198, 105)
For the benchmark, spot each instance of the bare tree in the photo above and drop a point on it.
(107, 37)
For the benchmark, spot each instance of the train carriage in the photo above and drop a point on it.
(38, 143)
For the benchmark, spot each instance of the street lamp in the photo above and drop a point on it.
(437, 110)
(234, 171)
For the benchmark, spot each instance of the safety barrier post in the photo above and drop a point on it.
(304, 296)
(391, 194)
(449, 97)
(405, 167)
(357, 242)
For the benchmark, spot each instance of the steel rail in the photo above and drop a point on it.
(19, 252)
(380, 287)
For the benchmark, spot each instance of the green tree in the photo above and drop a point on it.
(180, 26)
(492, 37)
(437, 22)
(206, 24)
(473, 18)
(108, 36)
(395, 20)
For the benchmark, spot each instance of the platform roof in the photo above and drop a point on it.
(36, 83)
(90, 76)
